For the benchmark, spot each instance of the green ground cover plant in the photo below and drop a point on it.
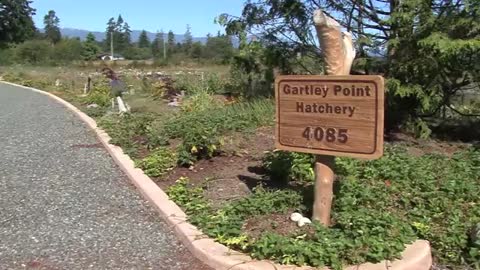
(289, 166)
(158, 163)
(132, 132)
(379, 207)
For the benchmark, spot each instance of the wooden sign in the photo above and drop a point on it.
(330, 115)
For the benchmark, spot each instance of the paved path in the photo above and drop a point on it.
(64, 204)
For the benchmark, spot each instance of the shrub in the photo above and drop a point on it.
(200, 101)
(205, 82)
(67, 50)
(34, 52)
(100, 95)
(201, 131)
(6, 56)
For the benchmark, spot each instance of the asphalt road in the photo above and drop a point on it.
(64, 204)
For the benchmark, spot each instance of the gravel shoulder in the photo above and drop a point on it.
(64, 204)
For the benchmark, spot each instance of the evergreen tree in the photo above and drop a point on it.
(188, 40)
(52, 29)
(127, 35)
(158, 44)
(16, 24)
(118, 35)
(90, 48)
(143, 41)
(108, 33)
(120, 30)
(170, 43)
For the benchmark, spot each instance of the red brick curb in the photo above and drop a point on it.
(415, 257)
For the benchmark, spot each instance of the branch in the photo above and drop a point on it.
(462, 114)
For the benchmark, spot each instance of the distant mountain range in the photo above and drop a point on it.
(99, 36)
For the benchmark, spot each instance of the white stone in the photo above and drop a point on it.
(303, 221)
(92, 106)
(295, 217)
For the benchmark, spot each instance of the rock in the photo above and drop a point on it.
(295, 217)
(303, 221)
(90, 106)
(174, 103)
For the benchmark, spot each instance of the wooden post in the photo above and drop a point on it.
(338, 51)
(324, 177)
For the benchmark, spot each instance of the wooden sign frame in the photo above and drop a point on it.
(377, 81)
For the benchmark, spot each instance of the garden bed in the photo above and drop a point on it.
(217, 162)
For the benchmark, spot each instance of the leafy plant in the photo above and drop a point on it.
(127, 129)
(158, 162)
(436, 194)
(200, 82)
(380, 206)
(200, 101)
(201, 130)
(286, 166)
(100, 95)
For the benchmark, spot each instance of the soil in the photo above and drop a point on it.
(232, 174)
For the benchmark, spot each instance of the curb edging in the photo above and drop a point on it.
(416, 256)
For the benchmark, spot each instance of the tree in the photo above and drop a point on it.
(120, 30)
(187, 44)
(127, 35)
(52, 29)
(16, 24)
(143, 41)
(158, 44)
(428, 50)
(90, 48)
(108, 33)
(170, 43)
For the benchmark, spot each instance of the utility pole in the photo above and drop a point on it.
(111, 45)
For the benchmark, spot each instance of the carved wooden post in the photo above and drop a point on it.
(339, 53)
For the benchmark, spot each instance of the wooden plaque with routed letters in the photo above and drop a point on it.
(330, 115)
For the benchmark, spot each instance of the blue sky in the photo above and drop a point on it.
(151, 15)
